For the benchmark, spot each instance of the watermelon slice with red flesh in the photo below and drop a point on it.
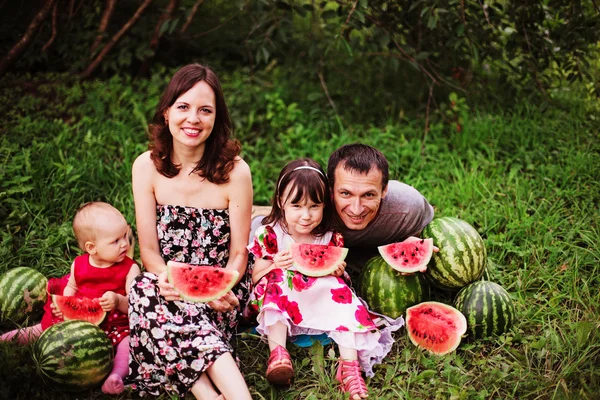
(200, 283)
(317, 259)
(81, 308)
(436, 327)
(409, 256)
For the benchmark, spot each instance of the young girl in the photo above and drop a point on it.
(291, 303)
(104, 272)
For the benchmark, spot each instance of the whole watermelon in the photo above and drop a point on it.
(462, 256)
(488, 308)
(387, 291)
(74, 355)
(22, 295)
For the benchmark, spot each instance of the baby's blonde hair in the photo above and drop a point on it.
(86, 218)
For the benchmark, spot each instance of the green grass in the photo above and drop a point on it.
(528, 179)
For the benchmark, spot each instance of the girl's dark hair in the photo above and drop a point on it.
(220, 151)
(303, 183)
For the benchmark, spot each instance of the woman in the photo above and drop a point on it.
(193, 200)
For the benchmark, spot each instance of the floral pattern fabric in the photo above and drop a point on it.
(173, 342)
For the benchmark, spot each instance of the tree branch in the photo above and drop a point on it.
(158, 32)
(106, 16)
(25, 40)
(426, 119)
(94, 64)
(324, 86)
(51, 40)
(191, 16)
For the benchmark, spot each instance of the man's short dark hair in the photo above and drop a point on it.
(360, 158)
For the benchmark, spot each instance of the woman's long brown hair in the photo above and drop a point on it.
(220, 150)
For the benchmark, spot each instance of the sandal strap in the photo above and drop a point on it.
(279, 353)
(351, 378)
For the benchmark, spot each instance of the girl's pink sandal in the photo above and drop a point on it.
(350, 379)
(280, 370)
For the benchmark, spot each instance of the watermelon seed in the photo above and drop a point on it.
(413, 254)
(422, 240)
(402, 253)
(405, 261)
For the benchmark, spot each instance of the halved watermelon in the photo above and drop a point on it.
(436, 327)
(317, 259)
(79, 308)
(201, 283)
(411, 255)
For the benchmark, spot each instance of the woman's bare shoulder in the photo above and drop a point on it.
(241, 169)
(144, 161)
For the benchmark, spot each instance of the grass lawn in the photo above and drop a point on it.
(528, 180)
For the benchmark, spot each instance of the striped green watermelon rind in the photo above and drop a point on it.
(462, 255)
(435, 327)
(387, 291)
(79, 308)
(201, 283)
(488, 308)
(409, 256)
(316, 259)
(23, 292)
(73, 355)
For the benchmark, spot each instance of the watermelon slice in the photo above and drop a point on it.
(201, 283)
(79, 308)
(317, 259)
(436, 327)
(409, 256)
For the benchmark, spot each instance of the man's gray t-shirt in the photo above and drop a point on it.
(403, 212)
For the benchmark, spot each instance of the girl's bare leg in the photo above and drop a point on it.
(114, 383)
(277, 335)
(23, 335)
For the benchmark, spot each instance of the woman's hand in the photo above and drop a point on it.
(225, 303)
(166, 289)
(109, 301)
(340, 270)
(283, 259)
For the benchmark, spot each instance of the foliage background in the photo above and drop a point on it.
(489, 108)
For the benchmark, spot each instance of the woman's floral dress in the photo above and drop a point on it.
(313, 306)
(173, 342)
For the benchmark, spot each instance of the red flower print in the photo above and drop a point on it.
(363, 318)
(256, 249)
(259, 289)
(302, 282)
(272, 293)
(275, 275)
(294, 312)
(342, 295)
(340, 280)
(337, 239)
(342, 328)
(270, 240)
(282, 303)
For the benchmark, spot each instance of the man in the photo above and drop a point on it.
(370, 210)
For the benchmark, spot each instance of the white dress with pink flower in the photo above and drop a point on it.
(313, 306)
